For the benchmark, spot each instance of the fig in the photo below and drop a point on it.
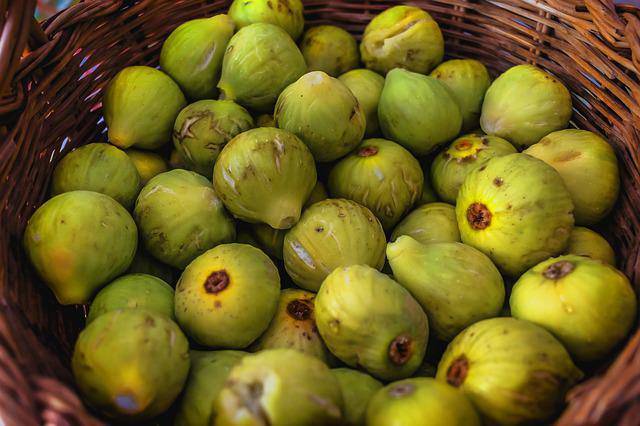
(514, 372)
(370, 321)
(176, 161)
(280, 387)
(192, 54)
(147, 163)
(516, 210)
(469, 80)
(260, 61)
(319, 193)
(78, 242)
(430, 223)
(382, 176)
(207, 375)
(366, 86)
(588, 305)
(180, 217)
(418, 112)
(265, 120)
(332, 233)
(357, 389)
(330, 49)
(452, 165)
(455, 284)
(269, 239)
(98, 167)
(204, 127)
(131, 364)
(133, 291)
(589, 169)
(144, 263)
(428, 193)
(323, 113)
(402, 37)
(286, 14)
(140, 106)
(585, 242)
(265, 175)
(524, 104)
(227, 296)
(421, 400)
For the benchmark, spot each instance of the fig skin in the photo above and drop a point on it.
(140, 106)
(382, 176)
(318, 194)
(227, 296)
(428, 193)
(180, 216)
(204, 127)
(357, 389)
(144, 263)
(466, 153)
(430, 223)
(140, 291)
(513, 371)
(455, 284)
(287, 14)
(332, 233)
(98, 167)
(366, 86)
(148, 164)
(78, 242)
(418, 112)
(192, 54)
(588, 305)
(330, 49)
(589, 169)
(516, 210)
(402, 37)
(524, 104)
(585, 242)
(260, 61)
(323, 113)
(371, 322)
(280, 387)
(131, 364)
(265, 175)
(421, 400)
(265, 120)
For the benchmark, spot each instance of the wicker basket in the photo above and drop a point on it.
(52, 77)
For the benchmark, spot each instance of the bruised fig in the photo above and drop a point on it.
(148, 164)
(357, 389)
(430, 223)
(330, 49)
(286, 14)
(370, 321)
(366, 86)
(227, 296)
(585, 242)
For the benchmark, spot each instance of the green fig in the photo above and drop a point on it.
(524, 104)
(588, 305)
(268, 239)
(366, 86)
(382, 176)
(260, 61)
(208, 373)
(265, 175)
(147, 163)
(323, 113)
(430, 223)
(265, 120)
(192, 54)
(516, 210)
(330, 49)
(227, 296)
(332, 233)
(140, 106)
(469, 80)
(357, 389)
(319, 193)
(98, 167)
(133, 291)
(131, 364)
(455, 284)
(514, 372)
(421, 400)
(144, 263)
(180, 217)
(370, 321)
(585, 242)
(78, 242)
(417, 111)
(589, 168)
(466, 153)
(203, 128)
(402, 37)
(286, 14)
(428, 193)
(176, 161)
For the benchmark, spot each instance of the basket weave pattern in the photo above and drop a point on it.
(51, 82)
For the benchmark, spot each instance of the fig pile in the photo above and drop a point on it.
(336, 219)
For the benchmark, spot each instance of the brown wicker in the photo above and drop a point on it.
(50, 103)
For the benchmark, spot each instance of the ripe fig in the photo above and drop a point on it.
(428, 193)
(147, 163)
(357, 389)
(176, 161)
(286, 14)
(366, 86)
(265, 120)
(319, 193)
(430, 223)
(268, 239)
(330, 49)
(585, 242)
